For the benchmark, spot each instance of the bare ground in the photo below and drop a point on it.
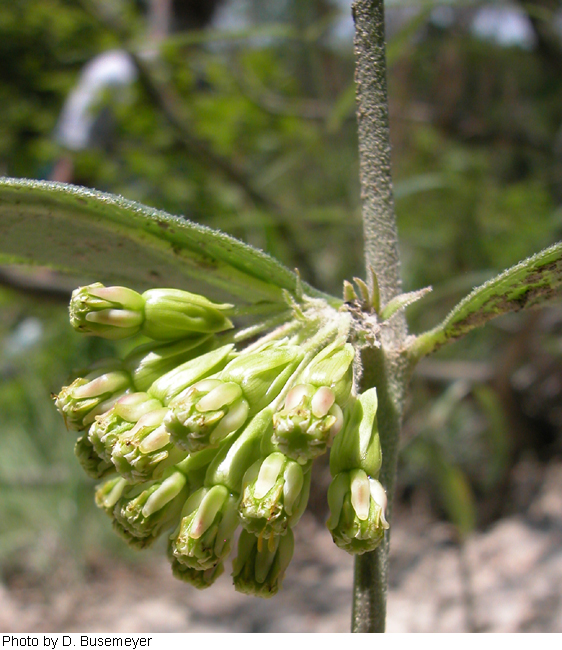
(505, 579)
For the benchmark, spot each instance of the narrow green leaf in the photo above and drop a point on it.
(349, 294)
(98, 236)
(364, 291)
(529, 284)
(402, 301)
(497, 436)
(376, 292)
(453, 490)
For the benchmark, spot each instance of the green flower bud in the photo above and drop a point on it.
(120, 419)
(262, 375)
(92, 395)
(170, 385)
(109, 312)
(195, 466)
(357, 446)
(198, 579)
(274, 495)
(142, 513)
(219, 406)
(173, 314)
(208, 522)
(206, 414)
(306, 426)
(235, 457)
(332, 367)
(150, 361)
(145, 451)
(259, 569)
(109, 493)
(357, 512)
(93, 465)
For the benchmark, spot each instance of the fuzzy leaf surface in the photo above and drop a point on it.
(531, 283)
(95, 236)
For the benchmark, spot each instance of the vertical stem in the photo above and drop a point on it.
(379, 223)
(389, 373)
(383, 367)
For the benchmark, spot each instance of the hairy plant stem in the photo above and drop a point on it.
(386, 367)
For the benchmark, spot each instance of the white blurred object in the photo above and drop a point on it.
(507, 26)
(113, 72)
(26, 335)
(443, 16)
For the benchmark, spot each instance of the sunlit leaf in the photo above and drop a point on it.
(529, 284)
(96, 236)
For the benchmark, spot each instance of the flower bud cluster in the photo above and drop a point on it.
(196, 438)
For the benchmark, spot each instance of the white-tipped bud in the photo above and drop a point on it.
(361, 495)
(357, 512)
(109, 312)
(274, 495)
(208, 522)
(91, 396)
(267, 476)
(220, 396)
(378, 494)
(307, 424)
(205, 414)
(322, 402)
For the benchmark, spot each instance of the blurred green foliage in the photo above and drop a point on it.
(264, 147)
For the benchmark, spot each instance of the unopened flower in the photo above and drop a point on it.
(144, 511)
(208, 522)
(109, 312)
(121, 418)
(92, 395)
(180, 379)
(149, 362)
(274, 495)
(171, 314)
(312, 413)
(357, 511)
(262, 374)
(194, 577)
(160, 314)
(357, 446)
(138, 453)
(92, 464)
(237, 455)
(259, 568)
(217, 407)
(356, 498)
